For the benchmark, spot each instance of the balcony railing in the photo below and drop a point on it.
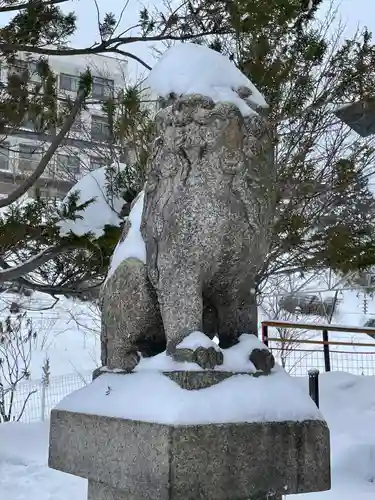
(54, 170)
(27, 165)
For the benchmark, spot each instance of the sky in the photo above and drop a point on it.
(353, 13)
(87, 22)
(358, 12)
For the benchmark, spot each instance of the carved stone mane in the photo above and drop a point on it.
(218, 156)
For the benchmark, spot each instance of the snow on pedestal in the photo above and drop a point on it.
(104, 210)
(189, 68)
(148, 395)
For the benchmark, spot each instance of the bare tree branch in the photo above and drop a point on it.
(29, 182)
(121, 14)
(24, 404)
(53, 290)
(106, 46)
(25, 5)
(15, 272)
(98, 18)
(131, 56)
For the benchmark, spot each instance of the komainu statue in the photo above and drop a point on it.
(208, 206)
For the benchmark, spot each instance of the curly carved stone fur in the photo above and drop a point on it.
(206, 223)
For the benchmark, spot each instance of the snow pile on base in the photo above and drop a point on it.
(133, 245)
(101, 212)
(189, 68)
(197, 339)
(236, 358)
(153, 397)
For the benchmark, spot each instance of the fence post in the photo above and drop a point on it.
(327, 359)
(265, 334)
(43, 402)
(314, 385)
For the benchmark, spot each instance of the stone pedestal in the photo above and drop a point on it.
(131, 460)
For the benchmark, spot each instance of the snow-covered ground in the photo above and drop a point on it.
(347, 402)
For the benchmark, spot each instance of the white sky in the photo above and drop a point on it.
(360, 12)
(352, 12)
(87, 22)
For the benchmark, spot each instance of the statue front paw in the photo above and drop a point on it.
(206, 357)
(124, 363)
(263, 360)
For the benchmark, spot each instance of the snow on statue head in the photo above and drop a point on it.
(207, 213)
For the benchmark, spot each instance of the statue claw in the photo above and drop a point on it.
(206, 358)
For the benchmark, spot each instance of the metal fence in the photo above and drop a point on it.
(41, 398)
(317, 347)
(299, 361)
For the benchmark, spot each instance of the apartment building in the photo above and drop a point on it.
(85, 147)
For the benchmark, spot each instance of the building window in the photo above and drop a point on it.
(49, 171)
(29, 156)
(4, 156)
(97, 162)
(99, 128)
(68, 164)
(101, 87)
(69, 82)
(44, 193)
(20, 67)
(77, 124)
(60, 195)
(27, 123)
(47, 193)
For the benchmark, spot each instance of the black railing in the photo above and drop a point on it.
(325, 342)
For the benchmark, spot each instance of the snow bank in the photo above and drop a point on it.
(68, 335)
(189, 68)
(24, 474)
(133, 245)
(69, 350)
(22, 444)
(101, 212)
(348, 404)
